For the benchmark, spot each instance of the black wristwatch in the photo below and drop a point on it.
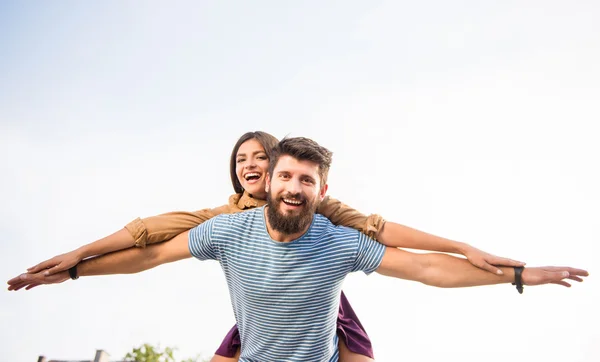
(518, 278)
(73, 272)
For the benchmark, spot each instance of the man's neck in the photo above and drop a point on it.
(279, 236)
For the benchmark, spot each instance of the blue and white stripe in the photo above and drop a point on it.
(285, 296)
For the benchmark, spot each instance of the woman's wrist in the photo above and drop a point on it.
(82, 252)
(461, 248)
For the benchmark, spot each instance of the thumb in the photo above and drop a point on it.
(39, 267)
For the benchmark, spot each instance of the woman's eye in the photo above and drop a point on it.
(262, 157)
(240, 160)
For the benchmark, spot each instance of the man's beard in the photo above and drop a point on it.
(290, 224)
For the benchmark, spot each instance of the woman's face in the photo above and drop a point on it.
(251, 168)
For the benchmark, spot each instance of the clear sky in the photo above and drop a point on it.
(472, 120)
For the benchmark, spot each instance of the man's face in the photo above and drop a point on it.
(293, 194)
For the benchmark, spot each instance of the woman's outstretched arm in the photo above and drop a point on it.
(129, 261)
(400, 236)
(139, 232)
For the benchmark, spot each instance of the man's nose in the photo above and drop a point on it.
(293, 186)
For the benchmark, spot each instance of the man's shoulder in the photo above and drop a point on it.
(248, 217)
(325, 226)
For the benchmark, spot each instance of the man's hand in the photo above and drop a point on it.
(57, 264)
(487, 261)
(552, 275)
(28, 280)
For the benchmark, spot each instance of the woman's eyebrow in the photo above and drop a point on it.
(253, 153)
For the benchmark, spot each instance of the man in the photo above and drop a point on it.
(284, 264)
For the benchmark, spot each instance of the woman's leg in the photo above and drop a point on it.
(229, 350)
(346, 355)
(354, 343)
(235, 358)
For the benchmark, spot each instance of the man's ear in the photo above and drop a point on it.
(323, 191)
(267, 182)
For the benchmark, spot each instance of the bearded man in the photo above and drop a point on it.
(285, 265)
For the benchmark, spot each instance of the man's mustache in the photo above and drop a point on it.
(297, 197)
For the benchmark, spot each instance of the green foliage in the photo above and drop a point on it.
(149, 353)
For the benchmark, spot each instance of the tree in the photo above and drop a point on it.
(149, 353)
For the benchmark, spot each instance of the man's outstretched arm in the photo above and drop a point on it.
(129, 261)
(446, 271)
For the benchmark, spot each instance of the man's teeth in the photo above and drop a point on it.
(293, 202)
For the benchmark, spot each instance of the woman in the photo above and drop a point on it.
(248, 167)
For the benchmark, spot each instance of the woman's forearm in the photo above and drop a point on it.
(129, 261)
(119, 240)
(400, 236)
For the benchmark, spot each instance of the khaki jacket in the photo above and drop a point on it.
(164, 227)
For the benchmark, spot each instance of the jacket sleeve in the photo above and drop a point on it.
(156, 229)
(341, 214)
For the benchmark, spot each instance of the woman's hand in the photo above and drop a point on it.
(57, 264)
(487, 261)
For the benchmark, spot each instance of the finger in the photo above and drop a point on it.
(17, 286)
(488, 267)
(563, 283)
(572, 271)
(505, 261)
(19, 279)
(558, 276)
(12, 287)
(32, 286)
(14, 280)
(580, 272)
(41, 266)
(575, 278)
(55, 269)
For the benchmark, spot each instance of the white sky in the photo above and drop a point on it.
(472, 120)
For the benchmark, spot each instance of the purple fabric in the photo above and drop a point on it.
(230, 344)
(349, 330)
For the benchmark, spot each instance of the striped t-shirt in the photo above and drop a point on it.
(285, 295)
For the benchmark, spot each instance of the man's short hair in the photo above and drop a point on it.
(303, 149)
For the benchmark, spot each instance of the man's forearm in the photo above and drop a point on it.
(135, 260)
(128, 261)
(400, 236)
(447, 271)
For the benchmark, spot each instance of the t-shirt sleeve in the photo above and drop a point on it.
(201, 241)
(369, 254)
